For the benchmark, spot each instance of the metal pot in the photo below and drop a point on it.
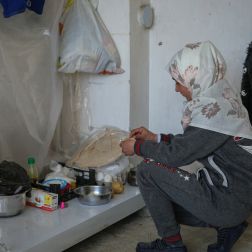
(11, 205)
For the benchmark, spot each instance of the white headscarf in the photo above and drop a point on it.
(215, 105)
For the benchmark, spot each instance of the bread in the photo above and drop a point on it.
(102, 150)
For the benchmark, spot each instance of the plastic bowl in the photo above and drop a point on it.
(93, 195)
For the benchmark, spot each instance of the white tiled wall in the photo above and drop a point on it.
(139, 65)
(115, 14)
(110, 102)
(109, 95)
(226, 23)
(144, 94)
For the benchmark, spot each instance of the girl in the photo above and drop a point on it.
(217, 134)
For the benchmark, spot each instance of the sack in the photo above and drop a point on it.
(85, 42)
(13, 178)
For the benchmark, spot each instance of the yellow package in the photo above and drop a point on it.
(42, 199)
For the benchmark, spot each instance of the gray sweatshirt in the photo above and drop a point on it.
(227, 160)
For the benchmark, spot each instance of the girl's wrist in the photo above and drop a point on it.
(154, 137)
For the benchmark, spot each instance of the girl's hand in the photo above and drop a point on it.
(144, 134)
(128, 146)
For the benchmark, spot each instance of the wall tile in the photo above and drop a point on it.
(115, 14)
(109, 104)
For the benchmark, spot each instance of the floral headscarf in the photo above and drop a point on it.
(215, 105)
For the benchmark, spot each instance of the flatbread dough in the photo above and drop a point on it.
(103, 149)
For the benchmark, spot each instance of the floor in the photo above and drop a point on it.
(123, 236)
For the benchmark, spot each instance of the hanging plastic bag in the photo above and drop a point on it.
(85, 43)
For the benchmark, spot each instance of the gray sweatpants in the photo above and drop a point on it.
(174, 197)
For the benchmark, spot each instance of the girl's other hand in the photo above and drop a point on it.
(128, 146)
(144, 134)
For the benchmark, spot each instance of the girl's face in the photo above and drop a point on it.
(183, 91)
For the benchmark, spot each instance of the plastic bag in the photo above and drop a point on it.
(59, 176)
(86, 45)
(14, 179)
(117, 170)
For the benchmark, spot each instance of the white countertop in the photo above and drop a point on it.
(39, 231)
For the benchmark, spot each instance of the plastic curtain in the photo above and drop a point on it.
(30, 91)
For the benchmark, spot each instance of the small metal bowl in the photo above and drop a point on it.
(93, 195)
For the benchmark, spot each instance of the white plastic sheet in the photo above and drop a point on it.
(30, 94)
(74, 123)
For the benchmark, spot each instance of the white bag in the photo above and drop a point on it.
(85, 43)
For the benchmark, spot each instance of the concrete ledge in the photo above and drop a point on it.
(38, 230)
